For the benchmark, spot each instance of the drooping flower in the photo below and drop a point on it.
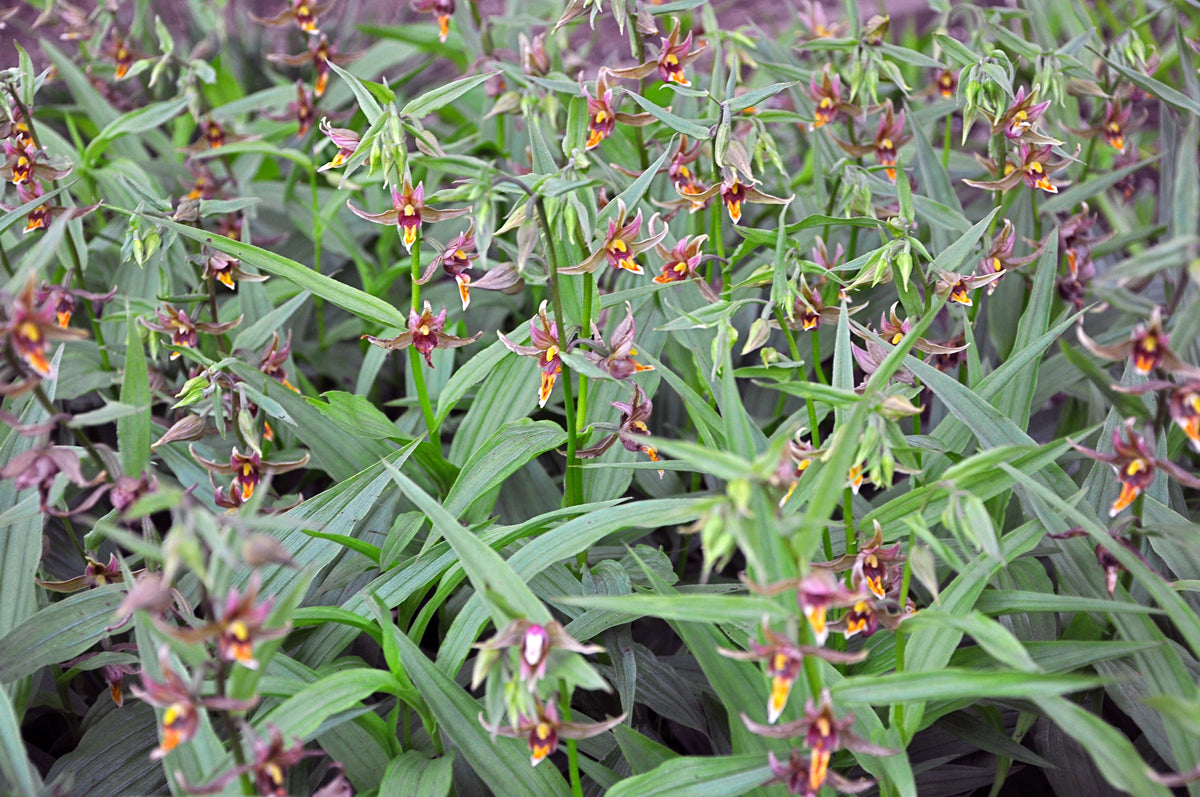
(1035, 169)
(672, 57)
(1147, 348)
(456, 259)
(533, 643)
(959, 287)
(545, 729)
(272, 759)
(534, 58)
(1134, 465)
(784, 659)
(999, 257)
(247, 471)
(796, 775)
(409, 211)
(1019, 120)
(95, 574)
(946, 82)
(734, 193)
(30, 326)
(303, 12)
(630, 429)
(828, 100)
(615, 357)
(816, 593)
(273, 359)
(1117, 121)
(345, 140)
(818, 25)
(227, 270)
(320, 53)
(41, 216)
(23, 164)
(300, 109)
(823, 734)
(603, 114)
(240, 626)
(546, 347)
(425, 333)
(120, 52)
(441, 9)
(182, 329)
(181, 719)
(889, 137)
(619, 248)
(213, 135)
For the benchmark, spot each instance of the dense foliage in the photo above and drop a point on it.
(631, 398)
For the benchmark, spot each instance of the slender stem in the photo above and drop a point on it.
(564, 707)
(231, 729)
(414, 356)
(572, 479)
(318, 235)
(946, 141)
(1087, 160)
(848, 520)
(589, 290)
(816, 355)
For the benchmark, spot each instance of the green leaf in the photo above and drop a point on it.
(505, 452)
(948, 684)
(1173, 97)
(358, 546)
(412, 774)
(694, 130)
(490, 575)
(994, 638)
(140, 120)
(686, 608)
(693, 776)
(443, 95)
(1116, 757)
(304, 712)
(58, 632)
(352, 300)
(16, 767)
(133, 431)
(366, 99)
(503, 762)
(356, 415)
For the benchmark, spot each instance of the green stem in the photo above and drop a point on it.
(848, 520)
(414, 356)
(946, 141)
(572, 478)
(564, 707)
(318, 235)
(816, 355)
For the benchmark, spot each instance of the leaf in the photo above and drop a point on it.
(503, 762)
(133, 431)
(490, 575)
(1113, 753)
(140, 120)
(505, 452)
(352, 300)
(694, 776)
(695, 130)
(58, 632)
(356, 415)
(1155, 88)
(18, 770)
(304, 712)
(444, 95)
(366, 100)
(994, 638)
(412, 774)
(949, 684)
(686, 608)
(92, 763)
